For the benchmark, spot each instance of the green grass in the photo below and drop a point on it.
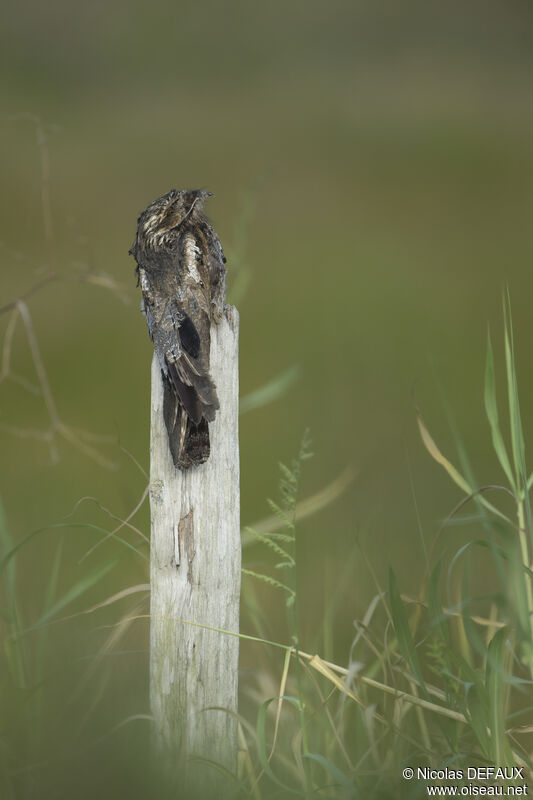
(388, 153)
(438, 673)
(438, 676)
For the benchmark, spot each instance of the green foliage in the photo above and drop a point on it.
(479, 679)
(271, 582)
(433, 677)
(283, 542)
(402, 630)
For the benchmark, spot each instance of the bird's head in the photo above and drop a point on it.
(168, 213)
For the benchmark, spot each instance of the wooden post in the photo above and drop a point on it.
(195, 574)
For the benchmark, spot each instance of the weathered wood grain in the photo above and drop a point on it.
(195, 573)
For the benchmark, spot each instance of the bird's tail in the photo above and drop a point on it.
(188, 442)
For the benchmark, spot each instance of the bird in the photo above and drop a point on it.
(182, 275)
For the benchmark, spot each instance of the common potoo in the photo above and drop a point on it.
(180, 269)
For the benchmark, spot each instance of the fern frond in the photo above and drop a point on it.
(281, 514)
(273, 546)
(305, 447)
(282, 537)
(269, 580)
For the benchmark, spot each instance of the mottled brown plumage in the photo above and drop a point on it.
(180, 269)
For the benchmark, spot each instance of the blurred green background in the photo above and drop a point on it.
(373, 171)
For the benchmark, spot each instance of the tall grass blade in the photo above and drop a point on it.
(403, 632)
(478, 715)
(14, 550)
(262, 746)
(13, 647)
(454, 473)
(6, 545)
(497, 691)
(437, 617)
(436, 454)
(518, 596)
(491, 407)
(75, 591)
(337, 774)
(517, 439)
(271, 391)
(324, 669)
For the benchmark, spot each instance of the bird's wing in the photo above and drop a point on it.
(181, 352)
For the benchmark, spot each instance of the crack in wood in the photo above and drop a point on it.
(177, 554)
(186, 541)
